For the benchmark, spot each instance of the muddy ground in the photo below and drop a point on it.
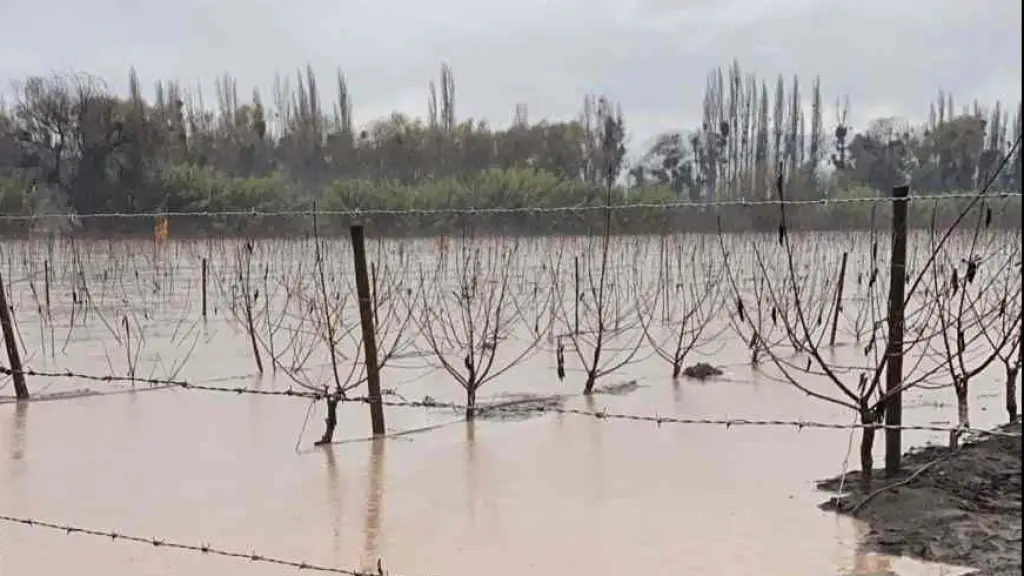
(964, 509)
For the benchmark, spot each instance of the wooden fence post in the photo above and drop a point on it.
(369, 338)
(204, 287)
(46, 286)
(13, 357)
(894, 352)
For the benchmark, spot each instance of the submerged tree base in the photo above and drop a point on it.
(963, 509)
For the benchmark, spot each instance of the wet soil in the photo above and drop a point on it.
(963, 509)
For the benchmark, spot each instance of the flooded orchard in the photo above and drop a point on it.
(559, 489)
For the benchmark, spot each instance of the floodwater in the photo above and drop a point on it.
(553, 495)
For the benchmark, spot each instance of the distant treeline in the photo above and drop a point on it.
(69, 145)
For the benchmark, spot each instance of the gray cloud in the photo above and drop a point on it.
(889, 56)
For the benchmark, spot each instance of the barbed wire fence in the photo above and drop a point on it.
(197, 548)
(392, 399)
(527, 210)
(538, 406)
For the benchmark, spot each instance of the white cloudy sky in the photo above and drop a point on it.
(889, 56)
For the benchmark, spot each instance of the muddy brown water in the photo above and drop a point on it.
(550, 495)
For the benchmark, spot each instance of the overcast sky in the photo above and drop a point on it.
(889, 56)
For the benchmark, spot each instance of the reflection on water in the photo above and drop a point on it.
(334, 500)
(374, 503)
(553, 495)
(17, 447)
(594, 490)
(472, 470)
(18, 438)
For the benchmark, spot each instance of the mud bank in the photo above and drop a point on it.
(964, 508)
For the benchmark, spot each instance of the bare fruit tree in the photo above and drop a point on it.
(690, 306)
(757, 326)
(334, 324)
(971, 309)
(1006, 296)
(603, 336)
(476, 330)
(245, 298)
(853, 383)
(1011, 356)
(600, 322)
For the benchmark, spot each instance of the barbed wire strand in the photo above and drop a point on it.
(541, 405)
(568, 209)
(200, 548)
(114, 379)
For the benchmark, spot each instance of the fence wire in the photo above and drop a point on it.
(538, 406)
(198, 548)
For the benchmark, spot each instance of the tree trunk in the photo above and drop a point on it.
(677, 368)
(867, 445)
(251, 326)
(471, 401)
(331, 421)
(1011, 392)
(588, 387)
(963, 414)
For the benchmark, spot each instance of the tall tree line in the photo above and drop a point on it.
(754, 130)
(69, 143)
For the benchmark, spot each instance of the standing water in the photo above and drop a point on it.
(550, 495)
